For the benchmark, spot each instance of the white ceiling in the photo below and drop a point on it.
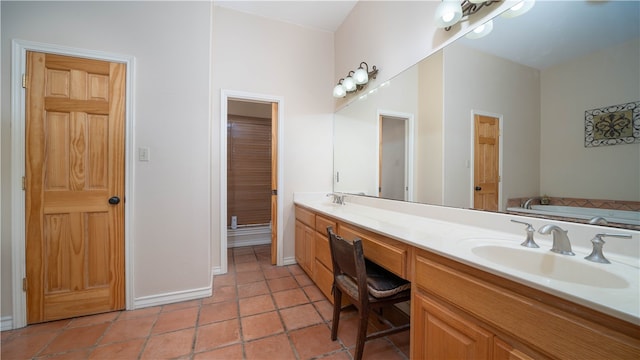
(325, 15)
(556, 31)
(575, 26)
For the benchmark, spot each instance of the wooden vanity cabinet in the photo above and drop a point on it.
(305, 239)
(461, 312)
(312, 248)
(323, 276)
(311, 231)
(459, 309)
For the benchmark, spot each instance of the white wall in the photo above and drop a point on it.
(495, 86)
(567, 168)
(257, 55)
(171, 212)
(429, 130)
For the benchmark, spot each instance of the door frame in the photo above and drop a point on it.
(500, 118)
(409, 144)
(19, 50)
(226, 95)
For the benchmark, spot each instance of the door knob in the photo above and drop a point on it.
(478, 188)
(114, 200)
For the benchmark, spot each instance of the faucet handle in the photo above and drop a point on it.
(597, 241)
(337, 198)
(529, 242)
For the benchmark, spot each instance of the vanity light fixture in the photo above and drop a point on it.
(355, 80)
(518, 9)
(450, 12)
(481, 31)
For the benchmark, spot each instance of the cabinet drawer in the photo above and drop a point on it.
(384, 252)
(322, 223)
(323, 252)
(323, 278)
(306, 216)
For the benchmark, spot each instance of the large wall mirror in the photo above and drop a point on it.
(489, 123)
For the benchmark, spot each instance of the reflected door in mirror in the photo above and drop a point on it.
(486, 159)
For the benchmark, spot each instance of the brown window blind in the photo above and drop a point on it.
(248, 170)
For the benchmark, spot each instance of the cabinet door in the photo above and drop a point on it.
(300, 253)
(309, 248)
(304, 247)
(439, 333)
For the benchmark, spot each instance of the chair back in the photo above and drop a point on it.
(347, 258)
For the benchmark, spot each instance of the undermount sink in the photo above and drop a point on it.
(571, 269)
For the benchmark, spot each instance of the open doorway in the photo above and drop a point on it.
(250, 208)
(248, 173)
(394, 157)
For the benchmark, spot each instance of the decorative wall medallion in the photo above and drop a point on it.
(612, 125)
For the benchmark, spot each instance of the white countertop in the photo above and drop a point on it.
(455, 239)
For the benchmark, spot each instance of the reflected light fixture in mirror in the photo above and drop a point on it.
(481, 31)
(450, 12)
(355, 80)
(518, 9)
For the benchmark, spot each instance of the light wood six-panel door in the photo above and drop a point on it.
(486, 163)
(74, 186)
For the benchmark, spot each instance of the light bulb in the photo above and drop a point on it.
(448, 13)
(519, 9)
(349, 84)
(517, 6)
(448, 16)
(339, 92)
(360, 76)
(481, 31)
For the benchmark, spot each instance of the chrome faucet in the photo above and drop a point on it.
(596, 254)
(529, 242)
(598, 220)
(337, 198)
(561, 243)
(527, 204)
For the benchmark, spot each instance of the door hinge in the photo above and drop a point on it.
(24, 81)
(274, 192)
(24, 183)
(24, 284)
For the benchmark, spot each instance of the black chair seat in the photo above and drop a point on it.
(383, 283)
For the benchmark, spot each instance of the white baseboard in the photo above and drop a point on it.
(169, 298)
(289, 260)
(216, 270)
(6, 323)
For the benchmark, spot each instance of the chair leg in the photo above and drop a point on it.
(337, 303)
(363, 322)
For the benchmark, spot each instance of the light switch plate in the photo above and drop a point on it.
(143, 154)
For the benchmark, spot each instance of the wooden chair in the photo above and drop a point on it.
(366, 284)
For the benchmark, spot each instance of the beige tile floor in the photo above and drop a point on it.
(257, 311)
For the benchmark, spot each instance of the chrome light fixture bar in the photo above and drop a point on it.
(355, 80)
(450, 12)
